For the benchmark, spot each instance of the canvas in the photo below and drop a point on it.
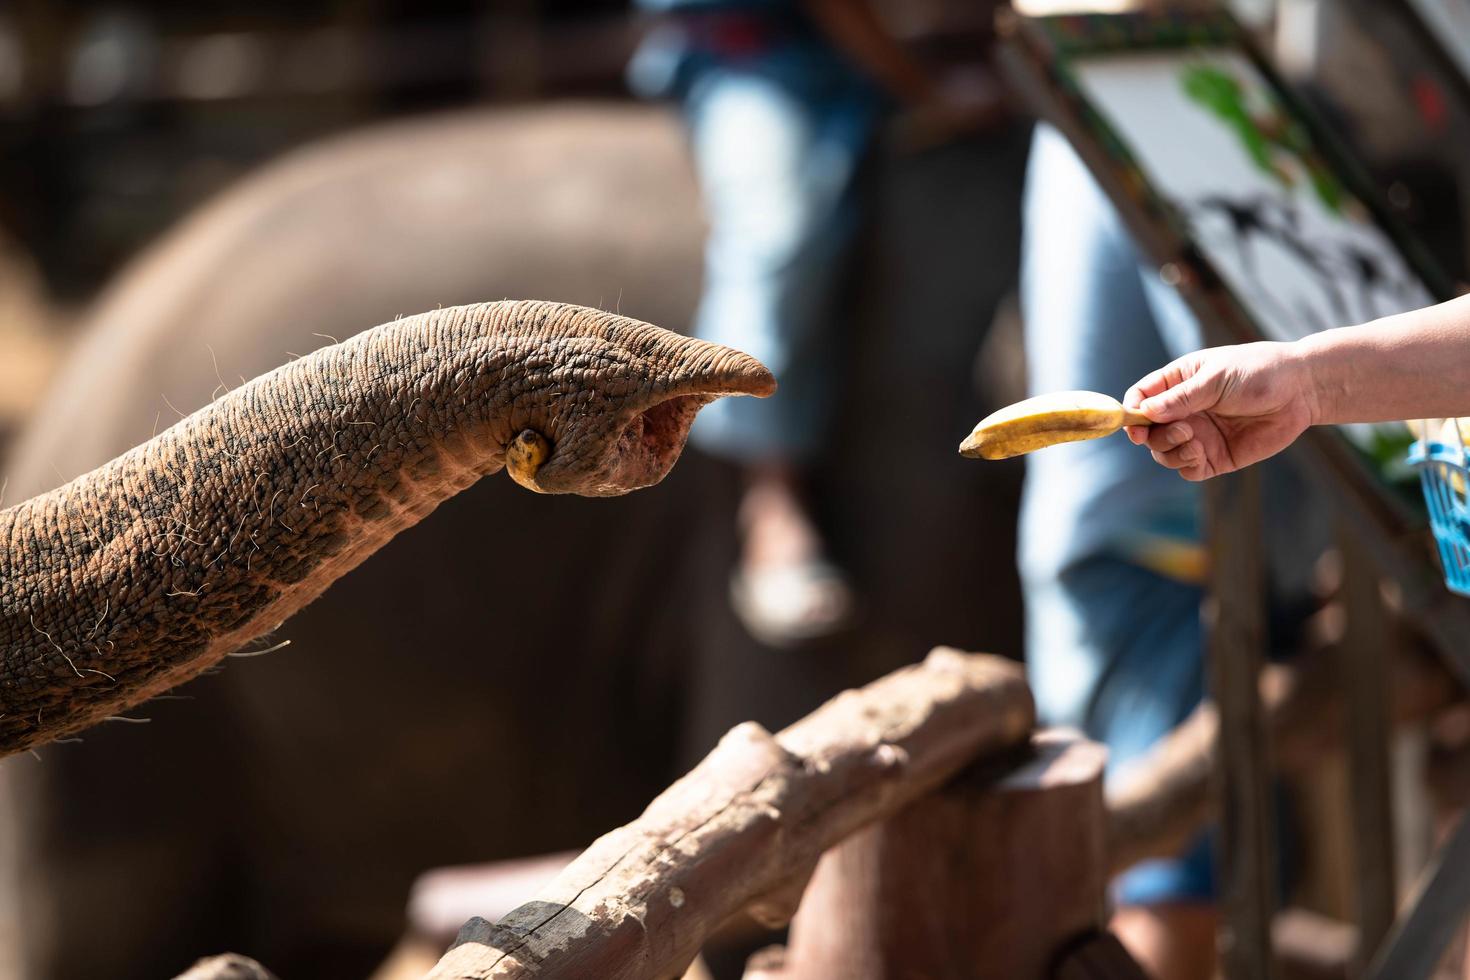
(1296, 248)
(1214, 162)
(1231, 185)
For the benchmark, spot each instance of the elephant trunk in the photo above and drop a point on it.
(144, 572)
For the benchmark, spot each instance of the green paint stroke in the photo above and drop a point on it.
(1264, 139)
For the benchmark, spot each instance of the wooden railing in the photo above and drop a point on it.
(919, 826)
(745, 829)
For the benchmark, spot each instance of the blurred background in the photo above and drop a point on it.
(190, 193)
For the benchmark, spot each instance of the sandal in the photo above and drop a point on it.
(786, 605)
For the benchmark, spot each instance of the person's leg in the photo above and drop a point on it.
(786, 590)
(1112, 634)
(1088, 325)
(777, 175)
(1135, 636)
(1165, 908)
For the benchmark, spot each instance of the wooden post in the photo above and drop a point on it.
(982, 878)
(1235, 619)
(1437, 910)
(1364, 673)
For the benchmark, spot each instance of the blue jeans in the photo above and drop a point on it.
(777, 144)
(1115, 650)
(1113, 639)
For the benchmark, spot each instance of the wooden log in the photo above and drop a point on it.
(641, 900)
(986, 877)
(441, 899)
(412, 958)
(1159, 802)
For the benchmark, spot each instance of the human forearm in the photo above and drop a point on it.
(1410, 366)
(1219, 409)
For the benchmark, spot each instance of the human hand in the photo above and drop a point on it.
(1224, 408)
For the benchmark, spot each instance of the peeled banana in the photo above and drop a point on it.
(1047, 420)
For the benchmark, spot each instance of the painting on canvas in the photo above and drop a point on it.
(1292, 244)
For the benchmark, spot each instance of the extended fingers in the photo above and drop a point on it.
(1171, 375)
(1175, 447)
(1166, 377)
(1179, 457)
(1179, 447)
(1160, 437)
(1185, 387)
(1163, 438)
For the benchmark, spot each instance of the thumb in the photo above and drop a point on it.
(1196, 393)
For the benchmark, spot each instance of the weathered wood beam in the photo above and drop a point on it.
(441, 899)
(1235, 617)
(641, 900)
(1432, 916)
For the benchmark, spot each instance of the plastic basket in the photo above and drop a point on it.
(1444, 472)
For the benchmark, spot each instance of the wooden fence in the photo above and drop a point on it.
(919, 826)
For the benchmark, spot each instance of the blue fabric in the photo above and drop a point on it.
(1097, 320)
(778, 136)
(1114, 650)
(774, 36)
(1112, 647)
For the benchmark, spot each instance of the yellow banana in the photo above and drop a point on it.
(1046, 420)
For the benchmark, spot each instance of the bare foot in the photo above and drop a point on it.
(785, 589)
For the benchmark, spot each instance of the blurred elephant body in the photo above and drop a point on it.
(216, 812)
(560, 658)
